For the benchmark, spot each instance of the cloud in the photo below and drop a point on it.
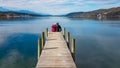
(59, 6)
(102, 2)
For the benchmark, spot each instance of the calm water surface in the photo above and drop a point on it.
(97, 42)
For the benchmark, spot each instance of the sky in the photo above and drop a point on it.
(58, 7)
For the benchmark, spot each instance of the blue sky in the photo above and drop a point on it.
(57, 7)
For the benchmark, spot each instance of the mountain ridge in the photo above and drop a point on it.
(111, 13)
(12, 13)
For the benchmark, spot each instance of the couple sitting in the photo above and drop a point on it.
(56, 28)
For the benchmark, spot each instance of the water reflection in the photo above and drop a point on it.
(97, 42)
(15, 59)
(98, 51)
(17, 51)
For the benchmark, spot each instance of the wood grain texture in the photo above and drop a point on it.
(55, 53)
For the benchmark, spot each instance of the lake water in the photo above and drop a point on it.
(97, 42)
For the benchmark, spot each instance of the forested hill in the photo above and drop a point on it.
(9, 14)
(112, 13)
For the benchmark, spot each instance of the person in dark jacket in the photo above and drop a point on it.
(58, 27)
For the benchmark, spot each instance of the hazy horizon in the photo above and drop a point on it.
(54, 7)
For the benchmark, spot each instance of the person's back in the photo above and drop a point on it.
(58, 28)
(53, 28)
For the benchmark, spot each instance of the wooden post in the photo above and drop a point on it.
(64, 32)
(46, 32)
(68, 38)
(39, 47)
(43, 39)
(73, 48)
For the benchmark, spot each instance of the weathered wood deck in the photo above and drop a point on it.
(55, 53)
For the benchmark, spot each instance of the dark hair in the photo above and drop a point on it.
(57, 23)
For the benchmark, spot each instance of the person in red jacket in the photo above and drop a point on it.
(53, 28)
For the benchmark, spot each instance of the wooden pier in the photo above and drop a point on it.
(55, 53)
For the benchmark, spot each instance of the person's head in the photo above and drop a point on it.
(57, 23)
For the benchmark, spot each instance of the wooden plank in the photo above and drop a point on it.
(55, 54)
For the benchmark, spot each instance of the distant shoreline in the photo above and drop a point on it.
(101, 14)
